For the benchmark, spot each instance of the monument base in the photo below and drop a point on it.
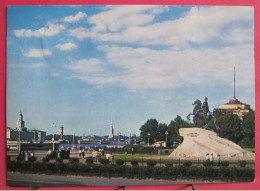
(198, 142)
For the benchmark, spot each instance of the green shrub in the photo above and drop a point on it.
(89, 160)
(46, 159)
(104, 161)
(187, 163)
(19, 159)
(151, 163)
(206, 163)
(8, 158)
(242, 163)
(169, 164)
(224, 163)
(74, 160)
(166, 152)
(120, 162)
(32, 159)
(59, 160)
(134, 162)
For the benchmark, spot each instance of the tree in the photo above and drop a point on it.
(230, 126)
(161, 132)
(248, 130)
(151, 127)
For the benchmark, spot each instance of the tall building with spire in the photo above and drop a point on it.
(234, 105)
(111, 132)
(20, 125)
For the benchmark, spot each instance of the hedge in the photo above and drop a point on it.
(139, 172)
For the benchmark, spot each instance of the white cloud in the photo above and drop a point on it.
(38, 53)
(199, 25)
(34, 65)
(66, 46)
(142, 68)
(75, 18)
(50, 30)
(115, 18)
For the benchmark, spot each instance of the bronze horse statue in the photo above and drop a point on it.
(200, 111)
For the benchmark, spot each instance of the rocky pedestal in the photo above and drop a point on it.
(198, 142)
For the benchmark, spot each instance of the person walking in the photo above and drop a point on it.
(211, 159)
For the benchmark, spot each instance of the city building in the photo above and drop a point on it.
(21, 133)
(235, 106)
(111, 132)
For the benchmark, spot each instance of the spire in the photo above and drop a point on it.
(234, 83)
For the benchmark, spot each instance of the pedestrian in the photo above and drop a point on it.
(211, 159)
(26, 155)
(218, 159)
(80, 153)
(207, 157)
(96, 155)
(83, 153)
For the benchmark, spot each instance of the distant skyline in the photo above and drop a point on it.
(77, 65)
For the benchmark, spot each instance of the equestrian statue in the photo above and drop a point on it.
(202, 111)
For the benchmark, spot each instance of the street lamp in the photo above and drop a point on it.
(73, 140)
(118, 137)
(19, 140)
(148, 137)
(166, 133)
(130, 136)
(53, 126)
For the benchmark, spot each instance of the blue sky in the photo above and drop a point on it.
(77, 65)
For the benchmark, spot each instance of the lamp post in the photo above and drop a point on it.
(19, 140)
(53, 126)
(73, 140)
(166, 133)
(148, 137)
(130, 136)
(118, 138)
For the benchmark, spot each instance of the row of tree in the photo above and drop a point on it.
(239, 131)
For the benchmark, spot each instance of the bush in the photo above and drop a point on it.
(206, 163)
(8, 158)
(74, 160)
(19, 159)
(119, 162)
(134, 162)
(139, 149)
(169, 164)
(104, 161)
(166, 152)
(46, 159)
(242, 163)
(151, 163)
(32, 159)
(89, 160)
(187, 163)
(59, 160)
(224, 163)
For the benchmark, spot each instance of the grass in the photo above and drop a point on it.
(250, 149)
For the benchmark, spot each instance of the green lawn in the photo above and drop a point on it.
(250, 149)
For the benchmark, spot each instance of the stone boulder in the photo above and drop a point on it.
(198, 142)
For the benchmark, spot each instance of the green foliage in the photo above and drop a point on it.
(206, 163)
(242, 163)
(224, 163)
(89, 160)
(59, 160)
(19, 158)
(187, 163)
(169, 164)
(119, 162)
(46, 159)
(74, 160)
(149, 127)
(104, 161)
(134, 162)
(8, 158)
(140, 172)
(32, 159)
(157, 131)
(139, 149)
(151, 163)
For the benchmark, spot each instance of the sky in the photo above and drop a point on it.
(77, 66)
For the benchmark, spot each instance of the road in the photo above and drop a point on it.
(15, 179)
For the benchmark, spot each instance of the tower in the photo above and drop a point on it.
(20, 122)
(111, 133)
(61, 132)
